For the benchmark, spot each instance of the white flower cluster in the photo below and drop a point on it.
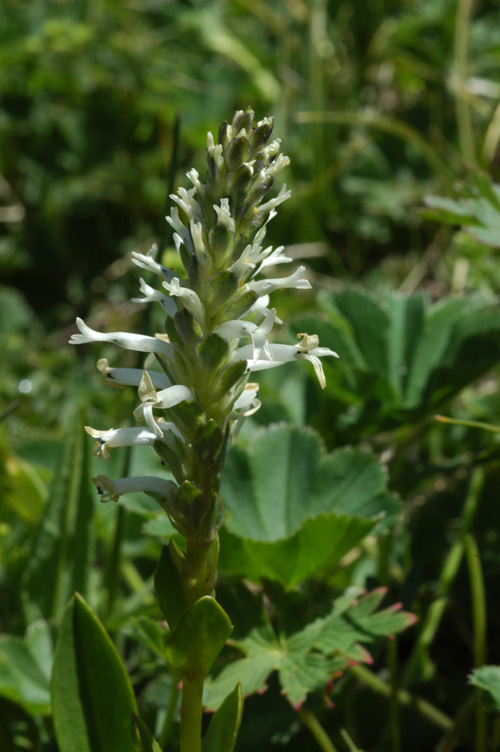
(219, 231)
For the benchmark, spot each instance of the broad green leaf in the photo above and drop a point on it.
(59, 561)
(198, 638)
(487, 679)
(292, 510)
(404, 356)
(316, 547)
(223, 729)
(142, 737)
(309, 658)
(92, 698)
(285, 478)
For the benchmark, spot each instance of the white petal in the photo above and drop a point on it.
(173, 395)
(266, 286)
(111, 490)
(188, 297)
(150, 265)
(129, 376)
(119, 437)
(122, 339)
(150, 295)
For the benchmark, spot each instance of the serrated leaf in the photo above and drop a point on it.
(198, 638)
(315, 548)
(307, 659)
(92, 698)
(487, 679)
(284, 477)
(223, 729)
(299, 671)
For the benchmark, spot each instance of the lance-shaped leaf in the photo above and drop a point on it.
(92, 697)
(198, 638)
(142, 738)
(59, 561)
(168, 585)
(223, 729)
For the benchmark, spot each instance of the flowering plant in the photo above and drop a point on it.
(194, 405)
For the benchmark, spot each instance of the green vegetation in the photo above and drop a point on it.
(339, 502)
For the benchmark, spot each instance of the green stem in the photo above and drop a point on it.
(393, 701)
(191, 712)
(317, 730)
(479, 622)
(463, 112)
(448, 574)
(404, 698)
(451, 738)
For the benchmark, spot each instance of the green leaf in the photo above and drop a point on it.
(142, 737)
(59, 562)
(309, 658)
(314, 549)
(487, 679)
(148, 632)
(25, 667)
(300, 671)
(188, 328)
(168, 585)
(292, 510)
(223, 729)
(198, 638)
(92, 698)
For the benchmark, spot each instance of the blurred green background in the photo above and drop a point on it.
(105, 104)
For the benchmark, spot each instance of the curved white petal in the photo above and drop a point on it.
(122, 339)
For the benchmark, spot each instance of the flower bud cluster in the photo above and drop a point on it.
(191, 408)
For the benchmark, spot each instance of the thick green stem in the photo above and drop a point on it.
(191, 712)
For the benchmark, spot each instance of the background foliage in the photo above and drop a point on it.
(390, 112)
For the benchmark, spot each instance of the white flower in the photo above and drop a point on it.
(283, 195)
(150, 294)
(120, 437)
(188, 297)
(224, 217)
(129, 376)
(110, 490)
(306, 349)
(266, 286)
(164, 399)
(240, 328)
(150, 265)
(137, 342)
